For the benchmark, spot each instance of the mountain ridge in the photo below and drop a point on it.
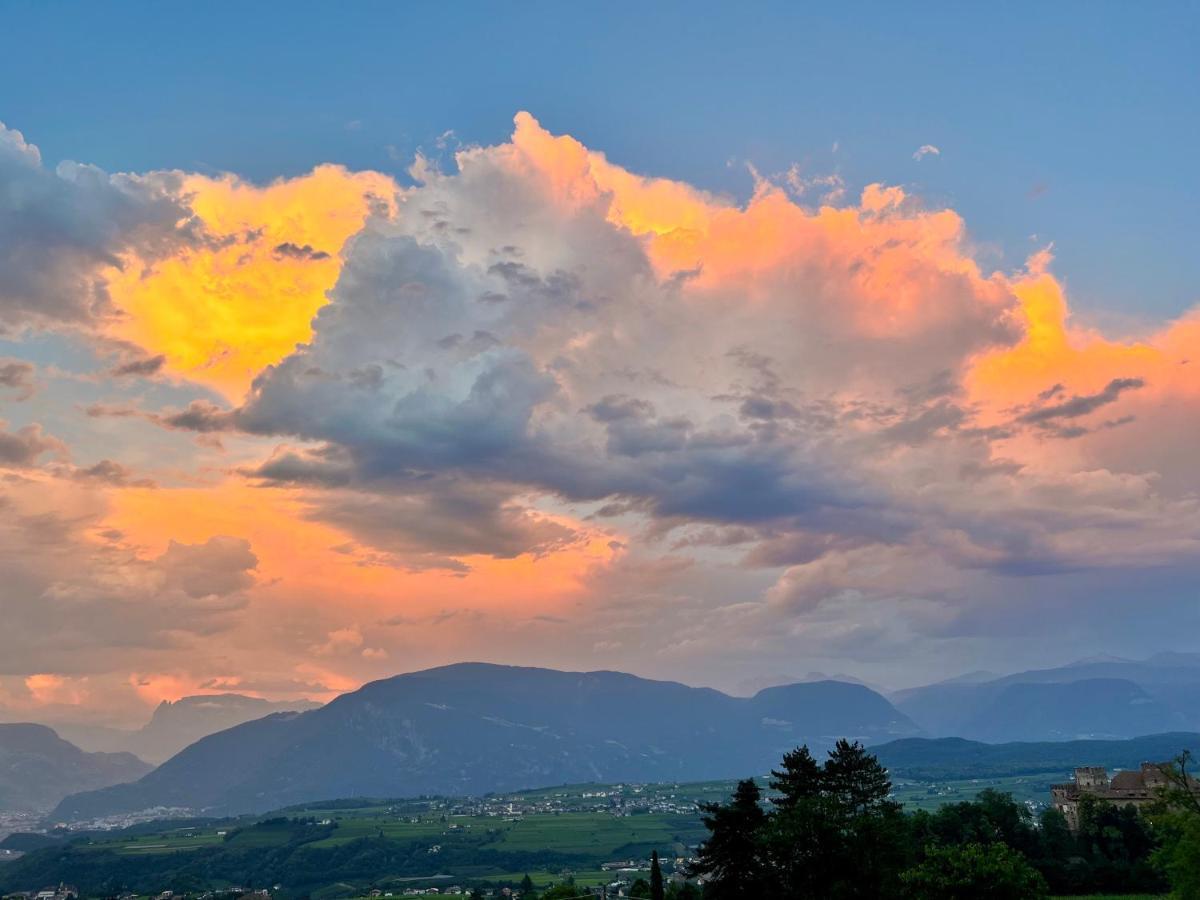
(38, 768)
(1119, 699)
(473, 728)
(175, 724)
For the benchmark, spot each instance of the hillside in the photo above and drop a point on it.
(474, 728)
(939, 759)
(38, 768)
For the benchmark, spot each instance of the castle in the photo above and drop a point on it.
(1129, 788)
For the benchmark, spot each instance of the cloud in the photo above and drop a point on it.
(435, 522)
(106, 471)
(144, 367)
(221, 309)
(16, 375)
(538, 399)
(287, 248)
(199, 415)
(63, 230)
(220, 566)
(533, 386)
(341, 640)
(1078, 405)
(23, 447)
(768, 425)
(79, 593)
(926, 150)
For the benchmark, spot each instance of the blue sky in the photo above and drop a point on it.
(1071, 122)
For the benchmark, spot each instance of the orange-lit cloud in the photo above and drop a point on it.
(47, 689)
(226, 307)
(299, 554)
(553, 411)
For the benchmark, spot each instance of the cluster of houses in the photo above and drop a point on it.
(59, 892)
(618, 800)
(70, 892)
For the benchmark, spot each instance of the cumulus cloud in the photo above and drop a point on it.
(814, 410)
(784, 429)
(539, 397)
(63, 228)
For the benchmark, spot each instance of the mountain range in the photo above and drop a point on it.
(176, 724)
(38, 768)
(1104, 698)
(475, 728)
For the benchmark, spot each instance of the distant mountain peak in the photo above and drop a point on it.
(38, 768)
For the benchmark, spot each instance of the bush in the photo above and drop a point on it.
(977, 871)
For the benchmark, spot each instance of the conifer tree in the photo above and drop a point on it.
(797, 779)
(731, 859)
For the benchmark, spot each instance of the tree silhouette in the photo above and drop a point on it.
(656, 879)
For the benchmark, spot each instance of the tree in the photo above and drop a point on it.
(685, 891)
(797, 779)
(640, 889)
(1179, 818)
(1181, 791)
(656, 879)
(527, 886)
(992, 816)
(854, 778)
(1179, 857)
(565, 891)
(834, 832)
(732, 859)
(979, 871)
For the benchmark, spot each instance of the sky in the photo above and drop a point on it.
(708, 343)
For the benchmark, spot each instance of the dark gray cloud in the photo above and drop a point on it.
(106, 471)
(295, 251)
(440, 519)
(1079, 404)
(59, 228)
(142, 368)
(926, 422)
(199, 415)
(23, 448)
(17, 375)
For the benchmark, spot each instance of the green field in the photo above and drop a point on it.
(599, 835)
(930, 795)
(589, 839)
(547, 834)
